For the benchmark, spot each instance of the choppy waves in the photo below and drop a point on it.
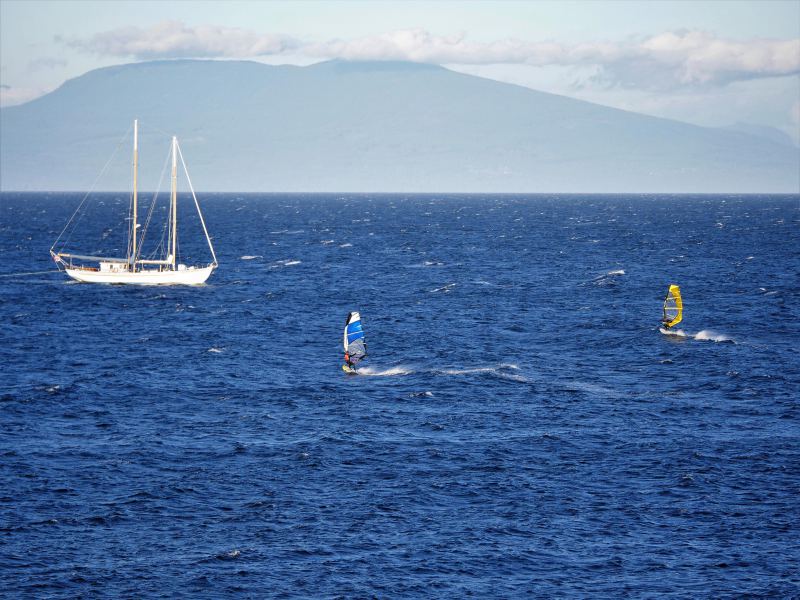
(520, 427)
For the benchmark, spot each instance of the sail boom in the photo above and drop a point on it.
(89, 257)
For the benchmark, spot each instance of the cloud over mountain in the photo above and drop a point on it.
(664, 61)
(173, 39)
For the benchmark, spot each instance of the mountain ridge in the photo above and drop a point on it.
(374, 127)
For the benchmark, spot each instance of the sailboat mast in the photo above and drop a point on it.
(174, 201)
(132, 257)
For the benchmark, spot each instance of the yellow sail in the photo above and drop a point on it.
(673, 307)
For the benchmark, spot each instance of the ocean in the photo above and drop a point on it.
(519, 428)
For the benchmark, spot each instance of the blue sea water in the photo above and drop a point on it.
(520, 428)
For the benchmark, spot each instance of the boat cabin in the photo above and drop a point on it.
(113, 267)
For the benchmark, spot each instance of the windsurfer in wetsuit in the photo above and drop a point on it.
(350, 365)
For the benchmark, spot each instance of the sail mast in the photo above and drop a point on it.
(132, 257)
(174, 202)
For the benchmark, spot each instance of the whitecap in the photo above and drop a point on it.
(467, 371)
(375, 372)
(250, 256)
(703, 335)
(707, 334)
(347, 245)
(215, 350)
(284, 263)
(470, 370)
(608, 278)
(445, 288)
(512, 377)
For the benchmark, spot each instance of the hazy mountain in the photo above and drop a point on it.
(763, 131)
(341, 126)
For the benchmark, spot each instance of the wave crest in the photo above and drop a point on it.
(703, 335)
(707, 334)
(392, 371)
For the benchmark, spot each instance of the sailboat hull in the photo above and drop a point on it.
(189, 276)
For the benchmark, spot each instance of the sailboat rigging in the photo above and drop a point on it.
(133, 268)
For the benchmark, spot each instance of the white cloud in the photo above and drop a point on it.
(696, 57)
(665, 61)
(173, 39)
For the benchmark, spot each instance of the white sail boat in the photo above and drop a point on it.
(133, 269)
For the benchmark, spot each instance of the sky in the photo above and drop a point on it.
(715, 63)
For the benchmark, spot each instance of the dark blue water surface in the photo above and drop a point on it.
(521, 426)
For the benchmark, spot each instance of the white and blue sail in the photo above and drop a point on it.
(355, 347)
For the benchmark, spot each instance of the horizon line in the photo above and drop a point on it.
(384, 193)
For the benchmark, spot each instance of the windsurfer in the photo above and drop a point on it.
(355, 349)
(673, 308)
